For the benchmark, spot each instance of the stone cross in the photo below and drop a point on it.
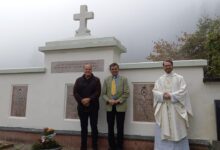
(83, 17)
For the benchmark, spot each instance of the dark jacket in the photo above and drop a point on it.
(87, 88)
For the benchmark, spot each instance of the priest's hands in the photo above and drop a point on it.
(167, 96)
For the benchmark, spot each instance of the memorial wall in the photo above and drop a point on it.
(35, 98)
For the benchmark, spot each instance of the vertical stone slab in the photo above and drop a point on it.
(19, 100)
(217, 114)
(71, 104)
(143, 102)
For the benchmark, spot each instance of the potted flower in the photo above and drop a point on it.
(47, 141)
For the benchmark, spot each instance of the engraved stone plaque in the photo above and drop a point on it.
(76, 66)
(143, 102)
(19, 99)
(71, 104)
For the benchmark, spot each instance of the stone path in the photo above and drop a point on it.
(19, 146)
(4, 145)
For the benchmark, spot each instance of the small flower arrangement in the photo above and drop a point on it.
(47, 141)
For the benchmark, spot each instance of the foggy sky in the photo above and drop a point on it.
(28, 24)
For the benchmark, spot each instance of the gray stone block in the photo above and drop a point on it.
(216, 145)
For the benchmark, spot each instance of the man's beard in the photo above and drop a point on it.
(168, 71)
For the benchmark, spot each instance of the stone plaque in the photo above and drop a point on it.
(19, 99)
(71, 104)
(143, 102)
(76, 66)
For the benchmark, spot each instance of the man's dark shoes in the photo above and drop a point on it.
(83, 148)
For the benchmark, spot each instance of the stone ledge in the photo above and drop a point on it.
(159, 64)
(23, 71)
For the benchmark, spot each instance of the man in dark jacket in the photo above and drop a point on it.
(86, 91)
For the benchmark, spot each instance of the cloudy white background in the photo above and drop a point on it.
(27, 24)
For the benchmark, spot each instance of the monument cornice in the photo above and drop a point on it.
(82, 43)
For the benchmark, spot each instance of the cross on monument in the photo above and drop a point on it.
(83, 17)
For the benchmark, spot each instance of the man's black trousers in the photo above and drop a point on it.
(93, 117)
(120, 117)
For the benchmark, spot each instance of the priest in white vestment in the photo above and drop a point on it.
(172, 109)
